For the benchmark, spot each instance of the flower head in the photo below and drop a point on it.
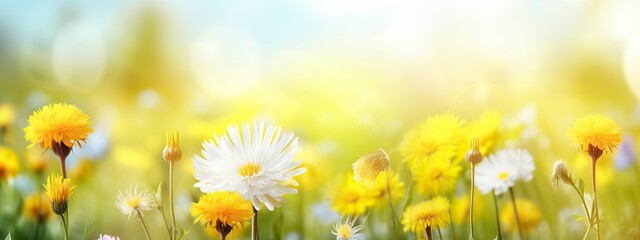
(256, 162)
(172, 151)
(347, 230)
(486, 128)
(37, 207)
(59, 123)
(379, 189)
(437, 137)
(560, 173)
(107, 237)
(134, 202)
(528, 214)
(438, 176)
(366, 169)
(7, 115)
(8, 164)
(222, 210)
(433, 213)
(59, 191)
(595, 134)
(352, 198)
(500, 170)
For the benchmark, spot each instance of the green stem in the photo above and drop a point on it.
(453, 230)
(495, 205)
(586, 210)
(594, 212)
(515, 212)
(473, 179)
(144, 226)
(254, 225)
(440, 233)
(38, 229)
(393, 211)
(65, 227)
(161, 209)
(171, 203)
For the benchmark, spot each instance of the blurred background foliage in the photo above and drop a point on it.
(347, 77)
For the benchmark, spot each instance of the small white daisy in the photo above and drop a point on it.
(131, 201)
(257, 162)
(500, 170)
(107, 237)
(347, 231)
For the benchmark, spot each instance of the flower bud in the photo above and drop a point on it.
(172, 151)
(560, 173)
(473, 156)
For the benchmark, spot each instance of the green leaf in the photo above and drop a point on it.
(8, 236)
(579, 218)
(158, 196)
(581, 186)
(183, 232)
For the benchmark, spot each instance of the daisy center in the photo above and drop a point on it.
(344, 231)
(249, 169)
(503, 176)
(134, 202)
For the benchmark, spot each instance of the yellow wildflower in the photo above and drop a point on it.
(7, 115)
(8, 164)
(595, 134)
(58, 123)
(486, 128)
(222, 211)
(37, 207)
(528, 213)
(59, 191)
(437, 176)
(438, 137)
(379, 189)
(426, 215)
(352, 198)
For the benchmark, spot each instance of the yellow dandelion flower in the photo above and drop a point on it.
(172, 151)
(367, 168)
(37, 207)
(7, 115)
(8, 164)
(460, 208)
(426, 215)
(59, 191)
(486, 128)
(58, 124)
(352, 198)
(528, 213)
(222, 211)
(438, 137)
(595, 134)
(379, 189)
(436, 177)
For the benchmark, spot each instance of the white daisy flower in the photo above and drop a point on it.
(107, 237)
(347, 231)
(132, 201)
(500, 170)
(257, 162)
